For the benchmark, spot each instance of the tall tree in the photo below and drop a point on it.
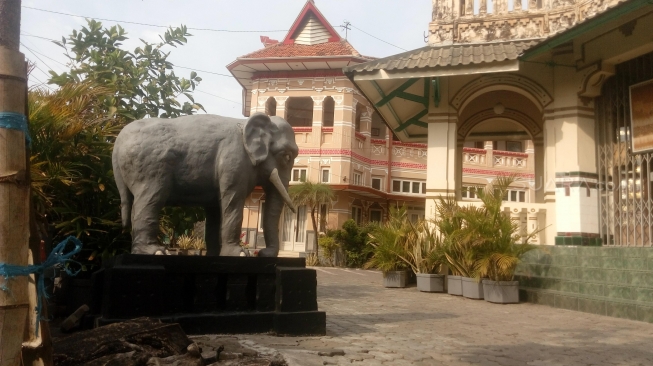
(14, 187)
(142, 81)
(312, 195)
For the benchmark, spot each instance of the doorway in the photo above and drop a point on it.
(293, 230)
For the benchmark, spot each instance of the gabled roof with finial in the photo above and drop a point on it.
(311, 46)
(310, 35)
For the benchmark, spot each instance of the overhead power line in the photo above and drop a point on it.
(217, 96)
(156, 25)
(208, 72)
(377, 38)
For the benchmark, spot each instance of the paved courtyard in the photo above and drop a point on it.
(370, 325)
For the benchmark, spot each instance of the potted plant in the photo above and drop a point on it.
(184, 243)
(198, 247)
(456, 248)
(503, 245)
(423, 254)
(387, 242)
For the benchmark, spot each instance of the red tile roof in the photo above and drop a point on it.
(341, 48)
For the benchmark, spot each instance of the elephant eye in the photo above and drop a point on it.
(287, 157)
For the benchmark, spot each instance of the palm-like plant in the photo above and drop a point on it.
(457, 239)
(72, 177)
(423, 248)
(503, 245)
(482, 241)
(388, 241)
(312, 195)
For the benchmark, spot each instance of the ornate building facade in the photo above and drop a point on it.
(475, 21)
(345, 142)
(572, 77)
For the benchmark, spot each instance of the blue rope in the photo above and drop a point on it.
(16, 121)
(56, 257)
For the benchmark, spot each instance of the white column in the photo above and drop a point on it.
(570, 126)
(281, 106)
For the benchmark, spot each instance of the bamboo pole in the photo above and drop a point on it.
(14, 191)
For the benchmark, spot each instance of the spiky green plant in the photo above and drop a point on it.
(388, 241)
(422, 250)
(502, 245)
(482, 242)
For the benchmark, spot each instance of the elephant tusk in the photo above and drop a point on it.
(276, 181)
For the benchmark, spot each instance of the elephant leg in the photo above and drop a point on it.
(232, 221)
(145, 223)
(212, 230)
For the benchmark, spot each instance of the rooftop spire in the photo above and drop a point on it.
(311, 27)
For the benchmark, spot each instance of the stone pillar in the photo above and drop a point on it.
(318, 101)
(258, 103)
(482, 7)
(441, 160)
(517, 5)
(489, 154)
(570, 126)
(281, 106)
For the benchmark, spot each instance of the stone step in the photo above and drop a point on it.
(288, 254)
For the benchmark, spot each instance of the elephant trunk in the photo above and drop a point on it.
(281, 188)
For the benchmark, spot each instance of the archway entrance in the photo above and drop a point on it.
(500, 133)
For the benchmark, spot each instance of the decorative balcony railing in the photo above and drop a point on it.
(531, 218)
(495, 158)
(474, 156)
(409, 150)
(510, 159)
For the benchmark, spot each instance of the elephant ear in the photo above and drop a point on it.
(257, 136)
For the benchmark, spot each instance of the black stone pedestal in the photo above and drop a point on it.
(211, 294)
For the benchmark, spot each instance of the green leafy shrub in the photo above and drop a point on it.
(329, 247)
(352, 240)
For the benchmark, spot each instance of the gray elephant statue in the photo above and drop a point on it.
(209, 161)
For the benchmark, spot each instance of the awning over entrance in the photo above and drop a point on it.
(401, 86)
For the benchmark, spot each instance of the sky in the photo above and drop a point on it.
(402, 23)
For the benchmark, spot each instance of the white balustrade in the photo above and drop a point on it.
(531, 218)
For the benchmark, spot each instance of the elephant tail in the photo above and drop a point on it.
(126, 197)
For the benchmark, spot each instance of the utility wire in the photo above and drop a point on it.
(156, 25)
(208, 72)
(37, 66)
(217, 96)
(31, 35)
(377, 38)
(48, 57)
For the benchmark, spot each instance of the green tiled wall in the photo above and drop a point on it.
(601, 280)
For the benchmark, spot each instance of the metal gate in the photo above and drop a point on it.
(625, 178)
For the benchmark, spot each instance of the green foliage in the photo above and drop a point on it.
(482, 242)
(74, 127)
(423, 248)
(388, 241)
(142, 82)
(329, 247)
(176, 221)
(72, 177)
(353, 241)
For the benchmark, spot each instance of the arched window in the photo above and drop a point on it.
(271, 107)
(299, 111)
(328, 111)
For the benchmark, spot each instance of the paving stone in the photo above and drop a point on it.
(407, 327)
